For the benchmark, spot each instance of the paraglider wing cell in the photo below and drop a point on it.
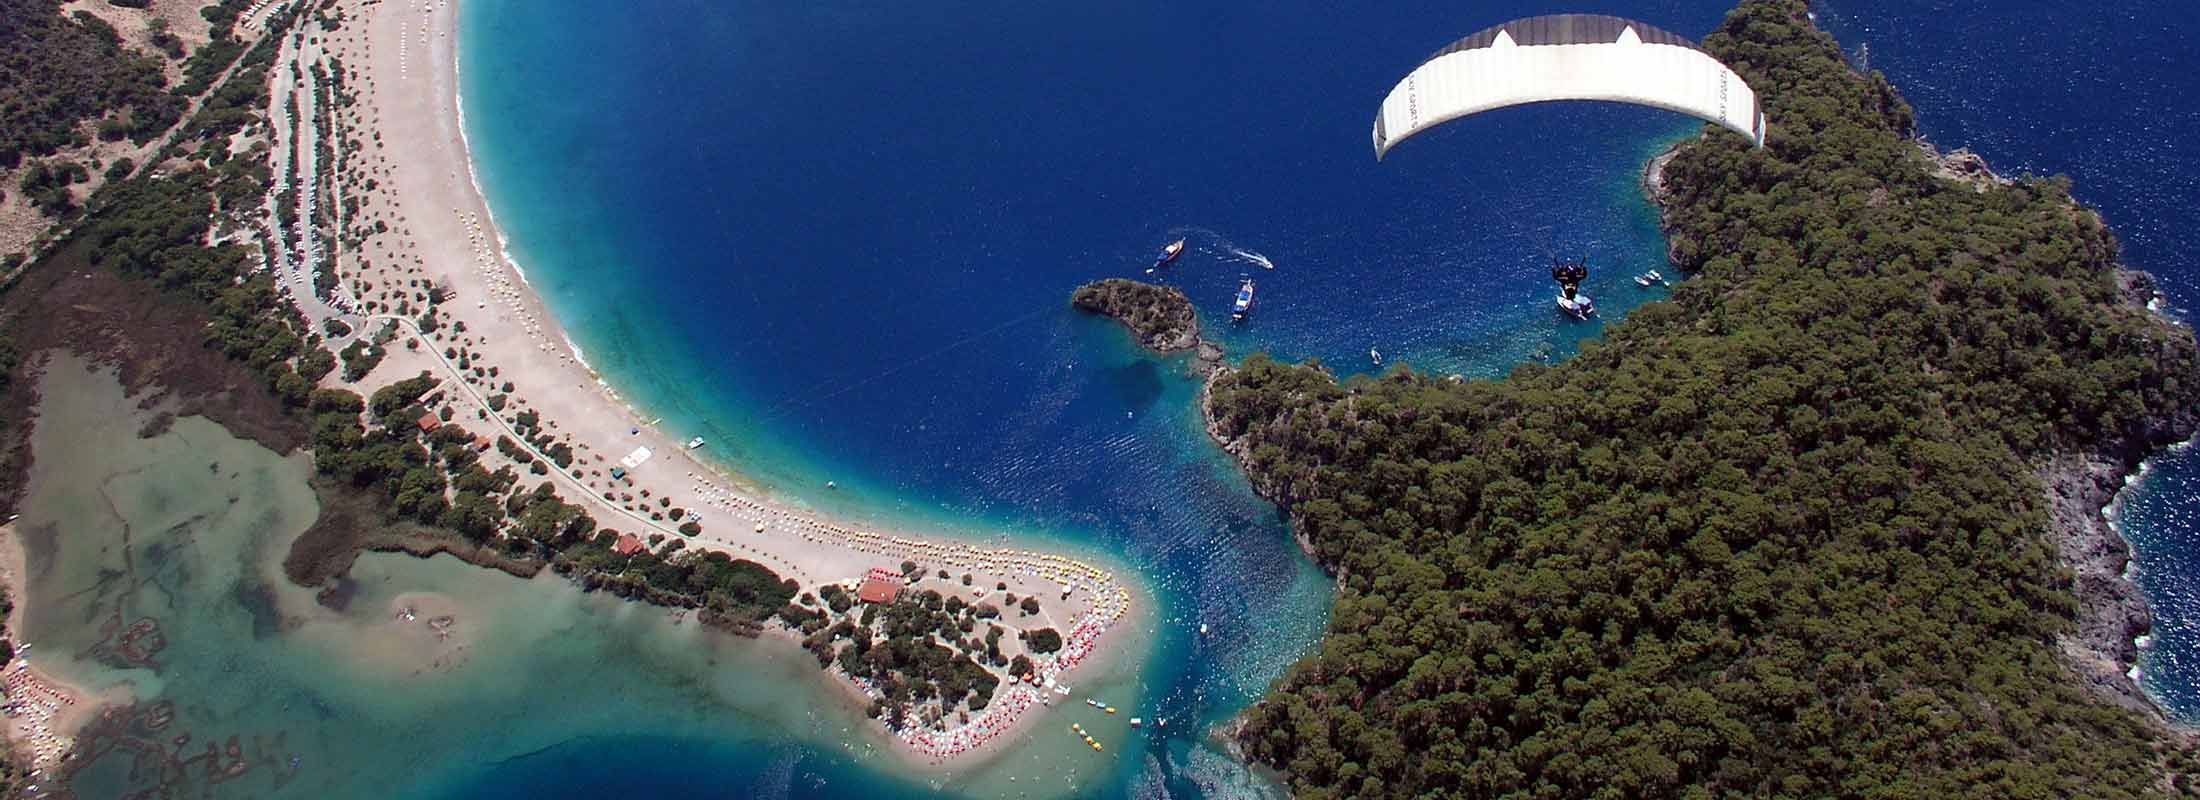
(1567, 57)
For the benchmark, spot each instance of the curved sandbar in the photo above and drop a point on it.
(504, 370)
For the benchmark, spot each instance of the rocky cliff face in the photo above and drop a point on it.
(2080, 486)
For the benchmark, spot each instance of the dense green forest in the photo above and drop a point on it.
(56, 72)
(1780, 536)
(921, 647)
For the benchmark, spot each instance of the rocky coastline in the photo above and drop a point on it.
(1264, 484)
(1161, 318)
(2080, 486)
(1163, 321)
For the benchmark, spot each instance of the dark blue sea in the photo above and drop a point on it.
(837, 240)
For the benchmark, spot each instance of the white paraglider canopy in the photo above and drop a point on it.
(1568, 57)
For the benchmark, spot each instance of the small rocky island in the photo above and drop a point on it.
(1161, 317)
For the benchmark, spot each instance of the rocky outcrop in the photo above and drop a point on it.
(2080, 488)
(1160, 317)
(1962, 166)
(1661, 195)
(2111, 611)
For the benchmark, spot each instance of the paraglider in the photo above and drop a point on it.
(1569, 275)
(1568, 57)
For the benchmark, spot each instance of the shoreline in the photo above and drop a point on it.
(2080, 491)
(442, 232)
(45, 713)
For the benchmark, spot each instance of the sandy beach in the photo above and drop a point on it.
(44, 714)
(424, 226)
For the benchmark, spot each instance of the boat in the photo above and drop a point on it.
(1169, 253)
(1202, 629)
(1375, 356)
(1651, 278)
(1569, 275)
(1244, 304)
(695, 442)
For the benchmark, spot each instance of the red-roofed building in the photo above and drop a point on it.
(428, 422)
(878, 591)
(628, 544)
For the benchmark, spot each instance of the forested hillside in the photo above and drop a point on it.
(1781, 536)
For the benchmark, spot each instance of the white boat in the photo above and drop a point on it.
(1202, 629)
(1579, 306)
(695, 442)
(1375, 356)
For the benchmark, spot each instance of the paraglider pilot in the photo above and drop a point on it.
(1569, 275)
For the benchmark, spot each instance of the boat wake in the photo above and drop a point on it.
(1220, 246)
(1251, 257)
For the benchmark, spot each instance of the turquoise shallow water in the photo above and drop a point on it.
(180, 538)
(837, 241)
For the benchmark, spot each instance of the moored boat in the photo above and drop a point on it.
(1169, 252)
(1244, 304)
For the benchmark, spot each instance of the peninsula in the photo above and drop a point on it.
(1826, 523)
(356, 303)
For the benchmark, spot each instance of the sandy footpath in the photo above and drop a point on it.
(401, 56)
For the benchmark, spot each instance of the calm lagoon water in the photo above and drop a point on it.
(838, 238)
